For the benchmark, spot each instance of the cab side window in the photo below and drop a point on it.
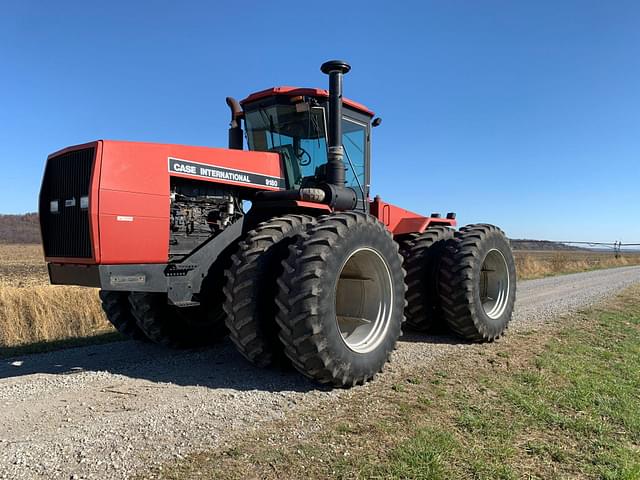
(354, 140)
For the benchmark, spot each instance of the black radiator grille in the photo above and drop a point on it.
(64, 216)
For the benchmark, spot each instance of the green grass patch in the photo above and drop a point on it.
(571, 410)
(563, 403)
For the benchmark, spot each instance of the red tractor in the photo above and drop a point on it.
(280, 247)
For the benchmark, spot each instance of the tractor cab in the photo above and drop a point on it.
(293, 122)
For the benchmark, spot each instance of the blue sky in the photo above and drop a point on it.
(522, 114)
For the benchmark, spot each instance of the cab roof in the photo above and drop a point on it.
(308, 92)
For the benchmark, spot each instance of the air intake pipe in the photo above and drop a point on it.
(337, 195)
(236, 140)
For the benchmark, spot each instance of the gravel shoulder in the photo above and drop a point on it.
(108, 411)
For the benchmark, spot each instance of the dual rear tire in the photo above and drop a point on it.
(422, 256)
(477, 283)
(465, 280)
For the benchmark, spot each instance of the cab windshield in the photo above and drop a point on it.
(297, 133)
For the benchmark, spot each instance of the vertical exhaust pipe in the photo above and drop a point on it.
(335, 164)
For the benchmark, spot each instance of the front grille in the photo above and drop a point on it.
(67, 178)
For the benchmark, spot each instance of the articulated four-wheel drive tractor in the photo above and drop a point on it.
(279, 246)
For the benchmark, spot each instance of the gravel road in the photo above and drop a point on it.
(111, 410)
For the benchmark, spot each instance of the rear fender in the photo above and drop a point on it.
(400, 221)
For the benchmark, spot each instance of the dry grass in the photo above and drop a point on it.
(22, 265)
(537, 264)
(33, 311)
(45, 313)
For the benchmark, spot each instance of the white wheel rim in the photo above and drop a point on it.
(364, 300)
(494, 284)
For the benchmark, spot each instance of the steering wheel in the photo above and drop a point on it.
(301, 153)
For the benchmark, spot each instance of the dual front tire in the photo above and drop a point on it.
(251, 287)
(116, 308)
(326, 295)
(341, 300)
(147, 316)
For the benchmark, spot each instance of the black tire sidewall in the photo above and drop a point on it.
(494, 241)
(263, 346)
(365, 235)
(423, 256)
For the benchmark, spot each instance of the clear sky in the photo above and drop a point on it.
(522, 114)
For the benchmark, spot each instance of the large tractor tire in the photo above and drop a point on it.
(175, 327)
(422, 255)
(251, 288)
(477, 283)
(185, 327)
(341, 299)
(118, 312)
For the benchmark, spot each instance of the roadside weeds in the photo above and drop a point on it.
(540, 264)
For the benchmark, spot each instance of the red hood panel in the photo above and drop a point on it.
(129, 198)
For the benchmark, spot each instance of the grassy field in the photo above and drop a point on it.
(537, 264)
(559, 402)
(34, 312)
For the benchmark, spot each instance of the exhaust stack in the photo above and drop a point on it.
(338, 196)
(335, 165)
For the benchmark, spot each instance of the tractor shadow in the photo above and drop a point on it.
(438, 336)
(217, 367)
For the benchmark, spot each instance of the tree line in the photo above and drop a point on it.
(19, 228)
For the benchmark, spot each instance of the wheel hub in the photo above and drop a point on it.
(494, 284)
(364, 292)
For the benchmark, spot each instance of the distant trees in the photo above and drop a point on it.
(19, 228)
(524, 244)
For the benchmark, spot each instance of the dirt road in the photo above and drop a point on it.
(112, 410)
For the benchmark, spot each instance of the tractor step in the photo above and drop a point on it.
(186, 303)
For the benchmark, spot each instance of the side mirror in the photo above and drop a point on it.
(376, 121)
